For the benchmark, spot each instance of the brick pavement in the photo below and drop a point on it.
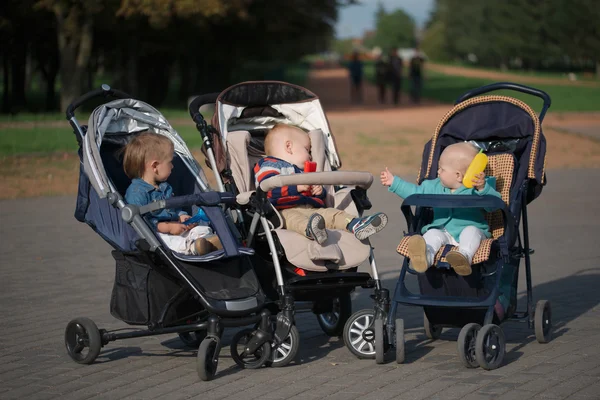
(53, 269)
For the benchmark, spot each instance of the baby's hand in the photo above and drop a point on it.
(303, 188)
(316, 190)
(183, 218)
(386, 177)
(178, 229)
(479, 181)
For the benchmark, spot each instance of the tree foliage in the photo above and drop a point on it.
(527, 33)
(393, 30)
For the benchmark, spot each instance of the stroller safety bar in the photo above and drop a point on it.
(207, 199)
(360, 179)
(460, 201)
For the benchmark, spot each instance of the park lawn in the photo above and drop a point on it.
(56, 139)
(447, 88)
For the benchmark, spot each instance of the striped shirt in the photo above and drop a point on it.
(285, 196)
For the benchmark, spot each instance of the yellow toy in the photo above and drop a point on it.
(477, 165)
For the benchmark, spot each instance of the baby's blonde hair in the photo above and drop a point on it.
(459, 155)
(142, 148)
(275, 132)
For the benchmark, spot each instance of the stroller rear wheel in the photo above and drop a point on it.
(400, 353)
(490, 347)
(359, 335)
(82, 334)
(249, 360)
(543, 321)
(381, 342)
(208, 358)
(332, 322)
(467, 339)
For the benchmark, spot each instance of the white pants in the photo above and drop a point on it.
(468, 242)
(184, 243)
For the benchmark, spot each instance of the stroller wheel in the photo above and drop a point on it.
(192, 339)
(249, 360)
(467, 339)
(400, 355)
(83, 340)
(433, 332)
(332, 323)
(543, 321)
(381, 344)
(285, 353)
(490, 346)
(359, 335)
(208, 359)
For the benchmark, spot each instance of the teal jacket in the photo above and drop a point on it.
(453, 220)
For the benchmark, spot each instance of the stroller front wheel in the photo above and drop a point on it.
(82, 334)
(490, 347)
(208, 359)
(332, 322)
(466, 343)
(433, 332)
(543, 321)
(359, 335)
(285, 353)
(246, 359)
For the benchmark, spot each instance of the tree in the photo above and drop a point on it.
(395, 29)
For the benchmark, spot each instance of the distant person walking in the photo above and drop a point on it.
(416, 75)
(356, 76)
(395, 75)
(381, 69)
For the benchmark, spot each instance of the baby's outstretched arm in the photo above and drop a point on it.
(386, 177)
(400, 186)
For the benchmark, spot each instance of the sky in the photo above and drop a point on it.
(354, 20)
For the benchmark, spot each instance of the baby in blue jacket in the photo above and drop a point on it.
(462, 227)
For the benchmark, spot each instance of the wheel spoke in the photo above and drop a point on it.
(356, 331)
(361, 345)
(358, 339)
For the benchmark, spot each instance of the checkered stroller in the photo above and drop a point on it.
(510, 133)
(195, 296)
(288, 271)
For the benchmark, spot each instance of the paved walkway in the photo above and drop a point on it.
(53, 269)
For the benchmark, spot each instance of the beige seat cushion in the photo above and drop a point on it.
(502, 167)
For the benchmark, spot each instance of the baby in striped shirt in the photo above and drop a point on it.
(302, 207)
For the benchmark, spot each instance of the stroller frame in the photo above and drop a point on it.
(342, 282)
(214, 315)
(477, 346)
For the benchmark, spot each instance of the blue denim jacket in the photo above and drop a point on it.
(141, 193)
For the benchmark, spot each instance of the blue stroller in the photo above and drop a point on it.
(193, 296)
(510, 133)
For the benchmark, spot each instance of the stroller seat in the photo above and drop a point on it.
(244, 154)
(500, 166)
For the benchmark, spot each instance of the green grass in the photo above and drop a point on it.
(447, 88)
(42, 140)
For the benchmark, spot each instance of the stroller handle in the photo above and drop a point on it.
(199, 101)
(104, 90)
(510, 86)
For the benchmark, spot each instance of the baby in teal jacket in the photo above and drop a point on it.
(462, 227)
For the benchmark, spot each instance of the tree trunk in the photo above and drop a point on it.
(51, 92)
(74, 28)
(598, 69)
(18, 61)
(6, 77)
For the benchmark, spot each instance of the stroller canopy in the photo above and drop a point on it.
(260, 105)
(116, 122)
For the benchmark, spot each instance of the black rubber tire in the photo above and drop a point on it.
(290, 349)
(333, 325)
(433, 332)
(543, 321)
(467, 340)
(400, 354)
(82, 333)
(354, 329)
(261, 356)
(380, 344)
(192, 339)
(206, 363)
(490, 347)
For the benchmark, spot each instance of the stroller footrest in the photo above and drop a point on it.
(337, 280)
